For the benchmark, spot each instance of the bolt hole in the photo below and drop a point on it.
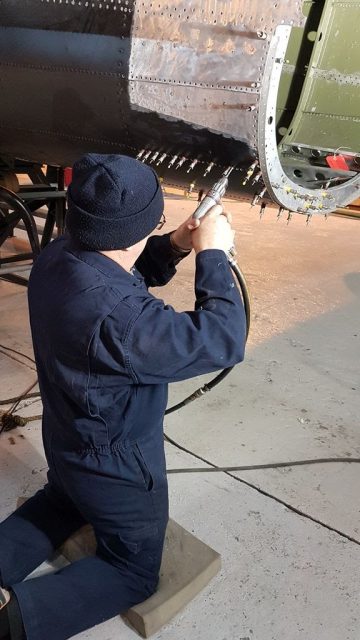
(298, 173)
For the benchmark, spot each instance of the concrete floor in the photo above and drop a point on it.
(285, 576)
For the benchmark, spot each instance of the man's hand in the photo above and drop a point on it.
(214, 231)
(181, 238)
(184, 239)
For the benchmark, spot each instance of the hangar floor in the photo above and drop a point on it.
(285, 576)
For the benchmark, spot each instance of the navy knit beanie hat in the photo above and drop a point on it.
(113, 202)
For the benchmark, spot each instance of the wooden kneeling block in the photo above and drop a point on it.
(188, 565)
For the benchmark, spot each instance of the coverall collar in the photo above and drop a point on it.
(106, 265)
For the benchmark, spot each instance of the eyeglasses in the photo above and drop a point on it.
(161, 223)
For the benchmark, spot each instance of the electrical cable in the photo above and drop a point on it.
(270, 465)
(8, 355)
(22, 396)
(267, 494)
(23, 355)
(254, 467)
(36, 394)
(8, 420)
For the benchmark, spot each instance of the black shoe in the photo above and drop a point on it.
(4, 598)
(4, 618)
(11, 625)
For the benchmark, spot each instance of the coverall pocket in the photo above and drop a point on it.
(143, 468)
(136, 546)
(149, 457)
(136, 541)
(152, 456)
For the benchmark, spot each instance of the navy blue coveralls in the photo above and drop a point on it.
(105, 350)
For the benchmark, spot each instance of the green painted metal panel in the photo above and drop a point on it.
(328, 114)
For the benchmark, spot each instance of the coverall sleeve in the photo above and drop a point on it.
(167, 346)
(157, 263)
